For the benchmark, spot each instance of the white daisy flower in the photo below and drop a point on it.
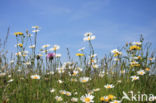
(134, 77)
(87, 98)
(141, 72)
(108, 86)
(35, 76)
(84, 79)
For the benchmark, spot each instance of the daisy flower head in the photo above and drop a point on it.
(20, 44)
(46, 46)
(2, 74)
(58, 98)
(111, 97)
(109, 86)
(115, 101)
(35, 76)
(116, 52)
(134, 64)
(32, 46)
(104, 99)
(141, 72)
(84, 79)
(35, 31)
(62, 92)
(73, 99)
(68, 93)
(52, 90)
(54, 48)
(88, 34)
(75, 72)
(35, 27)
(58, 55)
(134, 77)
(11, 80)
(81, 49)
(87, 98)
(136, 43)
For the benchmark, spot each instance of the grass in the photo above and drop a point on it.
(51, 75)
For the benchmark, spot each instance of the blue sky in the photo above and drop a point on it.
(63, 22)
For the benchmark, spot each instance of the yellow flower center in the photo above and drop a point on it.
(87, 99)
(102, 99)
(84, 80)
(35, 77)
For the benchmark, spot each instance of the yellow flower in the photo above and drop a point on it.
(102, 99)
(20, 44)
(147, 69)
(79, 54)
(18, 33)
(111, 97)
(135, 47)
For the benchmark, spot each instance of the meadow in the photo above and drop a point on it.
(41, 77)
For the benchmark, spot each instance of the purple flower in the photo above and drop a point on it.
(50, 56)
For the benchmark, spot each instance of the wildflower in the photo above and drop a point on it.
(147, 69)
(58, 55)
(55, 47)
(122, 71)
(111, 97)
(20, 44)
(119, 81)
(27, 63)
(73, 80)
(60, 81)
(116, 101)
(88, 34)
(2, 74)
(11, 80)
(116, 52)
(97, 89)
(141, 72)
(68, 93)
(60, 70)
(134, 77)
(73, 99)
(95, 66)
(108, 86)
(50, 56)
(62, 92)
(58, 98)
(51, 72)
(35, 27)
(39, 56)
(136, 43)
(32, 46)
(84, 79)
(135, 47)
(46, 46)
(18, 33)
(79, 54)
(52, 90)
(18, 54)
(134, 64)
(104, 99)
(75, 72)
(81, 49)
(35, 31)
(87, 98)
(35, 76)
